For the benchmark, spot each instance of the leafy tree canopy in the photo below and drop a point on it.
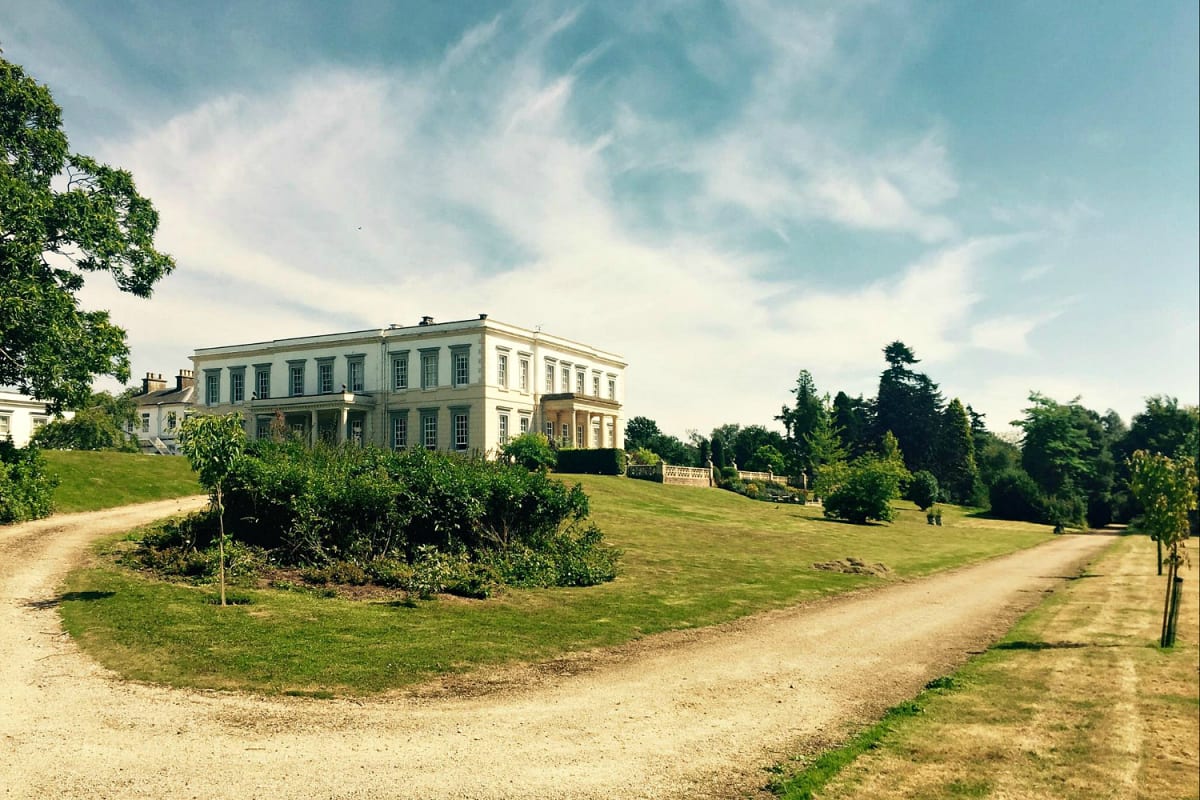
(62, 216)
(639, 431)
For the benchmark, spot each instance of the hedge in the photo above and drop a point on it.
(603, 461)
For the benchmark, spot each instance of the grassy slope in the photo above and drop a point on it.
(693, 557)
(93, 480)
(1076, 702)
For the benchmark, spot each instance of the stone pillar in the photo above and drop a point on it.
(344, 417)
(312, 430)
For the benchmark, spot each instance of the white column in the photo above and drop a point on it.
(344, 416)
(312, 430)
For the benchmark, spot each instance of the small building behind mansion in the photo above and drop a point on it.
(467, 385)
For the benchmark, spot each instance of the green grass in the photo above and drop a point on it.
(89, 481)
(693, 557)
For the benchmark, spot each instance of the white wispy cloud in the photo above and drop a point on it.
(358, 198)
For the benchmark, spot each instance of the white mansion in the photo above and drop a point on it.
(467, 385)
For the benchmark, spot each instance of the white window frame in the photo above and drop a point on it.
(295, 380)
(212, 388)
(502, 370)
(503, 428)
(237, 385)
(429, 368)
(400, 371)
(595, 384)
(429, 430)
(549, 377)
(524, 374)
(612, 388)
(325, 376)
(580, 380)
(356, 373)
(460, 426)
(524, 424)
(5, 424)
(399, 431)
(262, 381)
(460, 366)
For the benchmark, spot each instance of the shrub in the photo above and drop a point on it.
(645, 457)
(869, 487)
(530, 450)
(89, 429)
(26, 488)
(1014, 495)
(338, 572)
(603, 461)
(923, 490)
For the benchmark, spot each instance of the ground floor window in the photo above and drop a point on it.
(429, 431)
(356, 431)
(504, 429)
(399, 432)
(461, 430)
(145, 423)
(524, 424)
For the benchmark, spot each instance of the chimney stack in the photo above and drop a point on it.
(153, 383)
(184, 379)
(426, 321)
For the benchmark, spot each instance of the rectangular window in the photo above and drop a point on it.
(550, 430)
(524, 425)
(237, 385)
(429, 433)
(579, 382)
(612, 388)
(356, 431)
(172, 420)
(212, 388)
(295, 379)
(549, 377)
(461, 430)
(39, 423)
(325, 377)
(262, 382)
(262, 427)
(429, 369)
(354, 373)
(5, 424)
(461, 374)
(504, 429)
(502, 371)
(579, 437)
(595, 386)
(566, 433)
(400, 371)
(566, 379)
(524, 377)
(399, 431)
(145, 423)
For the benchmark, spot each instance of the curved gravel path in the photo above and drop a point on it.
(689, 714)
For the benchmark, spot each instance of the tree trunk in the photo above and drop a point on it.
(1173, 619)
(1162, 640)
(1158, 543)
(221, 542)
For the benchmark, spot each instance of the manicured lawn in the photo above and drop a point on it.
(93, 480)
(693, 557)
(1076, 702)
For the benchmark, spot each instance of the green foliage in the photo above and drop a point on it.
(800, 422)
(909, 406)
(90, 429)
(644, 457)
(824, 444)
(63, 216)
(767, 459)
(531, 450)
(602, 461)
(642, 433)
(852, 419)
(923, 490)
(26, 488)
(212, 445)
(639, 432)
(956, 455)
(1014, 495)
(1166, 489)
(373, 507)
(866, 490)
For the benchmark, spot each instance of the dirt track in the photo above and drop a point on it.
(694, 714)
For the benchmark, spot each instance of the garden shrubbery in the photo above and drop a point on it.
(416, 520)
(26, 488)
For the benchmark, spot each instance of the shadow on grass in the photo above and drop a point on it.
(1024, 645)
(832, 521)
(54, 602)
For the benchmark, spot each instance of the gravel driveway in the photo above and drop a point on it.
(687, 714)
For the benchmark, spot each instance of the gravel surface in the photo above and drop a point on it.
(687, 714)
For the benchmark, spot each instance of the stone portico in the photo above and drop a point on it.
(331, 418)
(581, 420)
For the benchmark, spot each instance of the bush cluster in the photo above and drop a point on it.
(26, 488)
(602, 461)
(768, 491)
(416, 520)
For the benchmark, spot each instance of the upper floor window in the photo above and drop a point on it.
(400, 371)
(612, 388)
(295, 379)
(429, 369)
(549, 377)
(524, 375)
(502, 371)
(262, 381)
(595, 386)
(212, 387)
(325, 377)
(5, 424)
(354, 373)
(579, 382)
(566, 379)
(461, 363)
(237, 385)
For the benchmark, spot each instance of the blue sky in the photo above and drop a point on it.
(725, 193)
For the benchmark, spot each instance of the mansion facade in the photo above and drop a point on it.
(465, 386)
